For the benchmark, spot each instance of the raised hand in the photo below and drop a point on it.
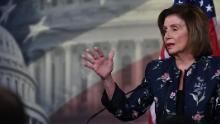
(97, 62)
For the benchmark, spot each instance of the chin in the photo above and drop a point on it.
(171, 52)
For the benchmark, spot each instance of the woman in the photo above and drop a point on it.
(187, 84)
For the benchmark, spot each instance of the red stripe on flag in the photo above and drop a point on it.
(150, 121)
(162, 52)
(213, 37)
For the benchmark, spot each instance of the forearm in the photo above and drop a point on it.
(130, 108)
(109, 85)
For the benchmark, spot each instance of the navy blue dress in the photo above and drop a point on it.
(160, 85)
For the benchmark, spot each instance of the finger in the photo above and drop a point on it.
(88, 65)
(89, 59)
(111, 55)
(91, 53)
(99, 52)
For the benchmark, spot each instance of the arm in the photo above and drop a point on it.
(114, 98)
(217, 107)
(129, 108)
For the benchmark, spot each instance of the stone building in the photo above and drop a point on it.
(15, 76)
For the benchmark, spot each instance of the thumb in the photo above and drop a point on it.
(111, 55)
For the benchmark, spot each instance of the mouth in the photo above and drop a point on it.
(169, 45)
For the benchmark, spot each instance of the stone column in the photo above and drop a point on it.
(48, 78)
(68, 71)
(31, 69)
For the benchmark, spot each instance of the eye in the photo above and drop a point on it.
(164, 30)
(175, 28)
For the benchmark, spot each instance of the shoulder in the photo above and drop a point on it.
(161, 61)
(215, 58)
(159, 64)
(212, 61)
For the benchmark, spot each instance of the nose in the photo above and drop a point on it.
(166, 35)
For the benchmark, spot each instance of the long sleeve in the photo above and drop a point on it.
(129, 108)
(217, 107)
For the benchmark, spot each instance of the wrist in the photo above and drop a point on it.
(109, 83)
(108, 78)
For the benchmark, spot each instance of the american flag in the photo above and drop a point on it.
(208, 8)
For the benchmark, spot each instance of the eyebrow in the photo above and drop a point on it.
(173, 25)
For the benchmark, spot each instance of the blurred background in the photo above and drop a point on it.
(41, 46)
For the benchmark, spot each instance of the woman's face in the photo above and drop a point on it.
(176, 36)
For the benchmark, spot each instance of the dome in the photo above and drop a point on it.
(9, 46)
(10, 53)
(15, 77)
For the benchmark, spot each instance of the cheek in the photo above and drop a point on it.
(184, 38)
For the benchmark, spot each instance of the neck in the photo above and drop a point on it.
(185, 61)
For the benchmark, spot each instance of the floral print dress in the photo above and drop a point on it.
(160, 85)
